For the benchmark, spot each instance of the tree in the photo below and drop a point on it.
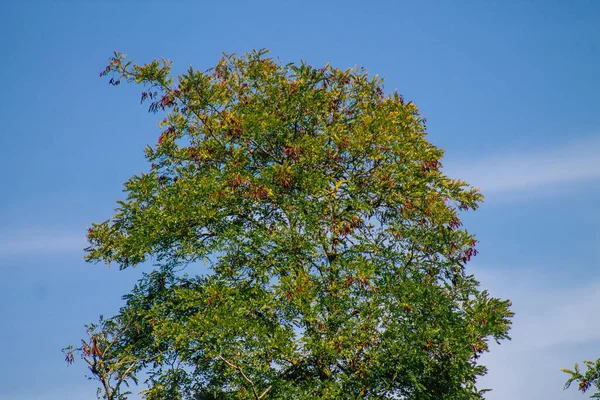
(585, 381)
(306, 244)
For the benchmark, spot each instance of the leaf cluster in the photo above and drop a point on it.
(590, 379)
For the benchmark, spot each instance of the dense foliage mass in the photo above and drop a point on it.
(323, 252)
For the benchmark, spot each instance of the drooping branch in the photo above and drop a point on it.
(246, 378)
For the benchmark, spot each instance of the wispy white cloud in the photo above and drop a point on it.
(531, 169)
(72, 393)
(563, 317)
(553, 327)
(50, 395)
(40, 242)
(546, 315)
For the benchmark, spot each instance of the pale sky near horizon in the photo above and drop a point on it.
(510, 91)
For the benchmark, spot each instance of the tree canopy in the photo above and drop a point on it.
(305, 244)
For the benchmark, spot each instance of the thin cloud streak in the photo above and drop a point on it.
(552, 328)
(524, 171)
(67, 394)
(41, 243)
(545, 316)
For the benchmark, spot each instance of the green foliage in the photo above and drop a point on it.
(586, 381)
(322, 244)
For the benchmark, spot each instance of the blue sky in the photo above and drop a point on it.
(510, 90)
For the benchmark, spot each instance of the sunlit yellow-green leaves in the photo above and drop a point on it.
(305, 239)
